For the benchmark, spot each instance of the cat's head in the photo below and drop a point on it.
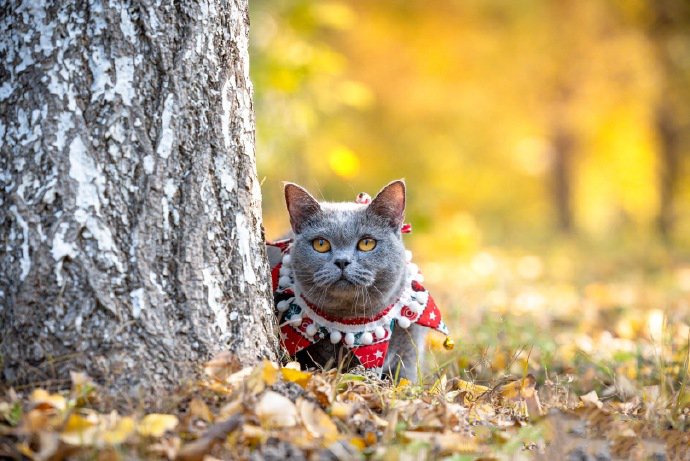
(348, 258)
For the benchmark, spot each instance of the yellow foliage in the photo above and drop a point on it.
(156, 424)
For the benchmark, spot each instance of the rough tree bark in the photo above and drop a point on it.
(130, 213)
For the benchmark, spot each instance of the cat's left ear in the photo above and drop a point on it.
(390, 203)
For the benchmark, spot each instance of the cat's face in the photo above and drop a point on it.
(347, 258)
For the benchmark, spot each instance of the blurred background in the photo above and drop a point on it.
(546, 148)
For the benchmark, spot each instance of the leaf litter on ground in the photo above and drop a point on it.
(544, 369)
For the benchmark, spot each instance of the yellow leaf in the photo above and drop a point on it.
(42, 399)
(119, 433)
(295, 376)
(199, 409)
(518, 389)
(358, 443)
(269, 373)
(155, 424)
(254, 434)
(446, 442)
(317, 421)
(80, 429)
(341, 410)
(474, 389)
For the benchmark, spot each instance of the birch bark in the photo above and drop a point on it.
(130, 207)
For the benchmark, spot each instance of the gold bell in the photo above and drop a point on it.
(448, 344)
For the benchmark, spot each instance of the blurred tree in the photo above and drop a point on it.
(669, 29)
(507, 118)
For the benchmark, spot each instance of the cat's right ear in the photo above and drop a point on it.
(301, 206)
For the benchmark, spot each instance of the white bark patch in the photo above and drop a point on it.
(148, 164)
(167, 136)
(227, 112)
(25, 262)
(127, 27)
(61, 249)
(104, 239)
(124, 70)
(224, 173)
(138, 302)
(83, 170)
(244, 246)
(64, 125)
(6, 91)
(100, 66)
(215, 294)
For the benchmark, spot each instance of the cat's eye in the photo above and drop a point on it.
(321, 245)
(366, 244)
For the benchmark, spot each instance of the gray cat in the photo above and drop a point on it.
(345, 283)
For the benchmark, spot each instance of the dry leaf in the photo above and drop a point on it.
(222, 366)
(447, 442)
(317, 421)
(321, 389)
(275, 410)
(341, 410)
(44, 400)
(293, 366)
(156, 424)
(295, 376)
(474, 390)
(167, 446)
(254, 434)
(199, 409)
(592, 399)
(119, 432)
(80, 429)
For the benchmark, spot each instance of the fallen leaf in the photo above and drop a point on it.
(317, 421)
(80, 429)
(321, 389)
(296, 376)
(341, 410)
(222, 366)
(119, 432)
(275, 410)
(199, 409)
(446, 442)
(592, 399)
(293, 366)
(43, 400)
(156, 424)
(167, 446)
(474, 390)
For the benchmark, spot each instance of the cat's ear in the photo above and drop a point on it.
(301, 206)
(390, 203)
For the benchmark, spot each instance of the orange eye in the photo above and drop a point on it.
(366, 244)
(321, 245)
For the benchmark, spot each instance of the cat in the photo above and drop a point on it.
(345, 279)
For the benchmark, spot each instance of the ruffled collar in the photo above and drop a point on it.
(303, 324)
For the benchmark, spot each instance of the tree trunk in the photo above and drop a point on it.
(670, 156)
(130, 212)
(561, 175)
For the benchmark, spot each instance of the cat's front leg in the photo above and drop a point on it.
(405, 357)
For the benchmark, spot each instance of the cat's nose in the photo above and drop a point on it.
(341, 263)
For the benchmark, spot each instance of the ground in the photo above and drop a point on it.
(565, 356)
